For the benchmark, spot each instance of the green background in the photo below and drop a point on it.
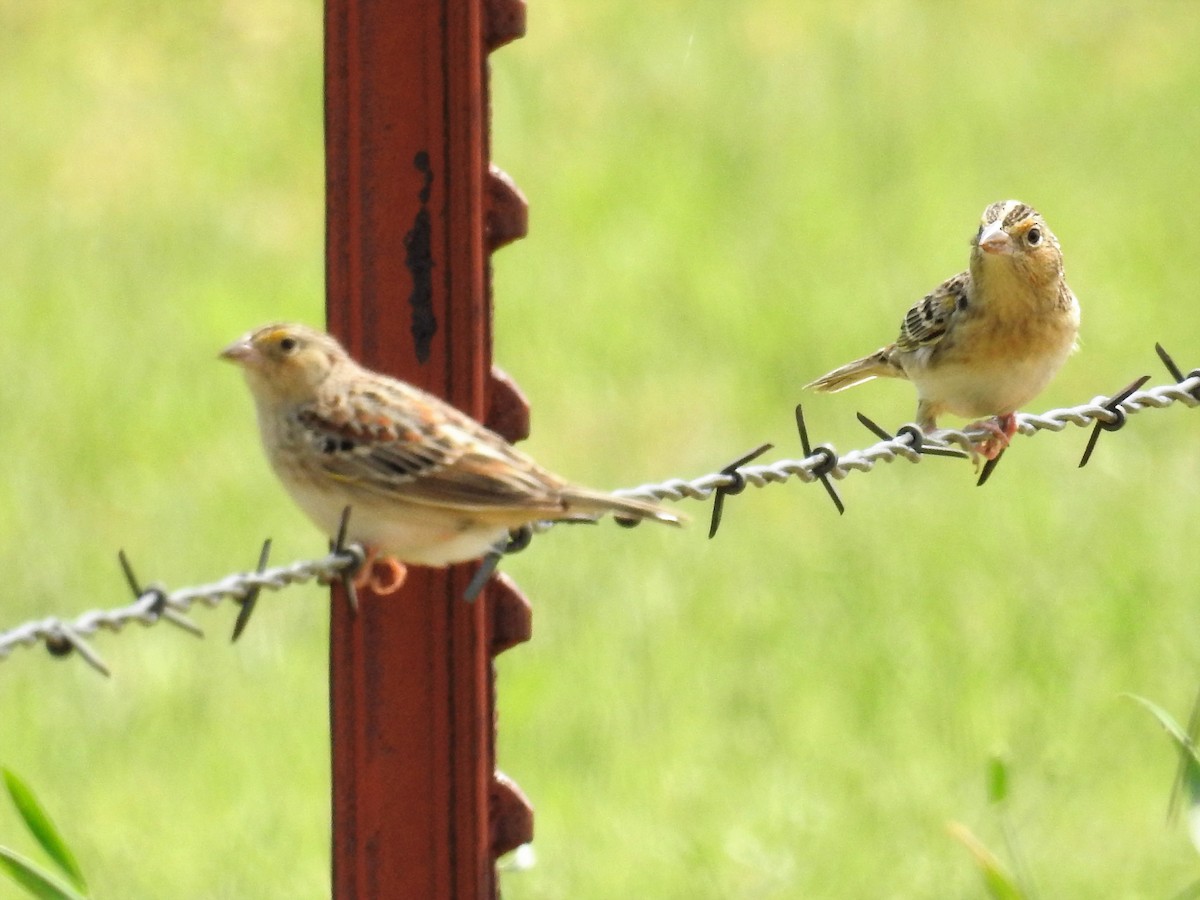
(726, 200)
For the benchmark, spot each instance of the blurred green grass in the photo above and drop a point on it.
(727, 201)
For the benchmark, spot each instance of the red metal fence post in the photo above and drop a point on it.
(413, 210)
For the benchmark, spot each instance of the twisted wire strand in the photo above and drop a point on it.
(154, 605)
(1186, 392)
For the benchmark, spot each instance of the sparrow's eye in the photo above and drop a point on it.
(287, 344)
(1033, 237)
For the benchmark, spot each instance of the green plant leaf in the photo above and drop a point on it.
(38, 883)
(1000, 884)
(43, 829)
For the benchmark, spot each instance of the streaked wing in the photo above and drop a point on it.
(394, 441)
(928, 320)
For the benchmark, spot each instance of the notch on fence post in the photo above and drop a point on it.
(413, 210)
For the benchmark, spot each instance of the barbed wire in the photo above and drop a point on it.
(153, 604)
(823, 462)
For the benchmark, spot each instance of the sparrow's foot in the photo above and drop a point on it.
(380, 574)
(1000, 430)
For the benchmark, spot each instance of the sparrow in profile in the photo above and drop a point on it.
(426, 484)
(988, 340)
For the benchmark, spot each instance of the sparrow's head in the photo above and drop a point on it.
(1014, 235)
(285, 362)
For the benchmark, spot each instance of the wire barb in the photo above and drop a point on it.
(735, 484)
(916, 437)
(1117, 418)
(1176, 372)
(248, 602)
(873, 427)
(154, 602)
(82, 648)
(127, 568)
(988, 468)
(920, 442)
(338, 547)
(486, 567)
(1167, 361)
(821, 470)
(518, 539)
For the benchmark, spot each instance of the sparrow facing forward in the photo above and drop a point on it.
(426, 483)
(988, 340)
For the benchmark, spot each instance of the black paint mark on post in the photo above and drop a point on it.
(418, 257)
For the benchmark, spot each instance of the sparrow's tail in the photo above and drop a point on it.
(878, 365)
(594, 503)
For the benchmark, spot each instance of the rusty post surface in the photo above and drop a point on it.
(413, 210)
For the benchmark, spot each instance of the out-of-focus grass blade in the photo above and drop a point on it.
(999, 883)
(1188, 778)
(43, 829)
(998, 787)
(1173, 728)
(997, 780)
(38, 883)
(1186, 774)
(1191, 892)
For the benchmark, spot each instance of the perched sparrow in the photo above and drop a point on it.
(986, 341)
(426, 483)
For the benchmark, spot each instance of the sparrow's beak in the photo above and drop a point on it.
(239, 351)
(995, 240)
